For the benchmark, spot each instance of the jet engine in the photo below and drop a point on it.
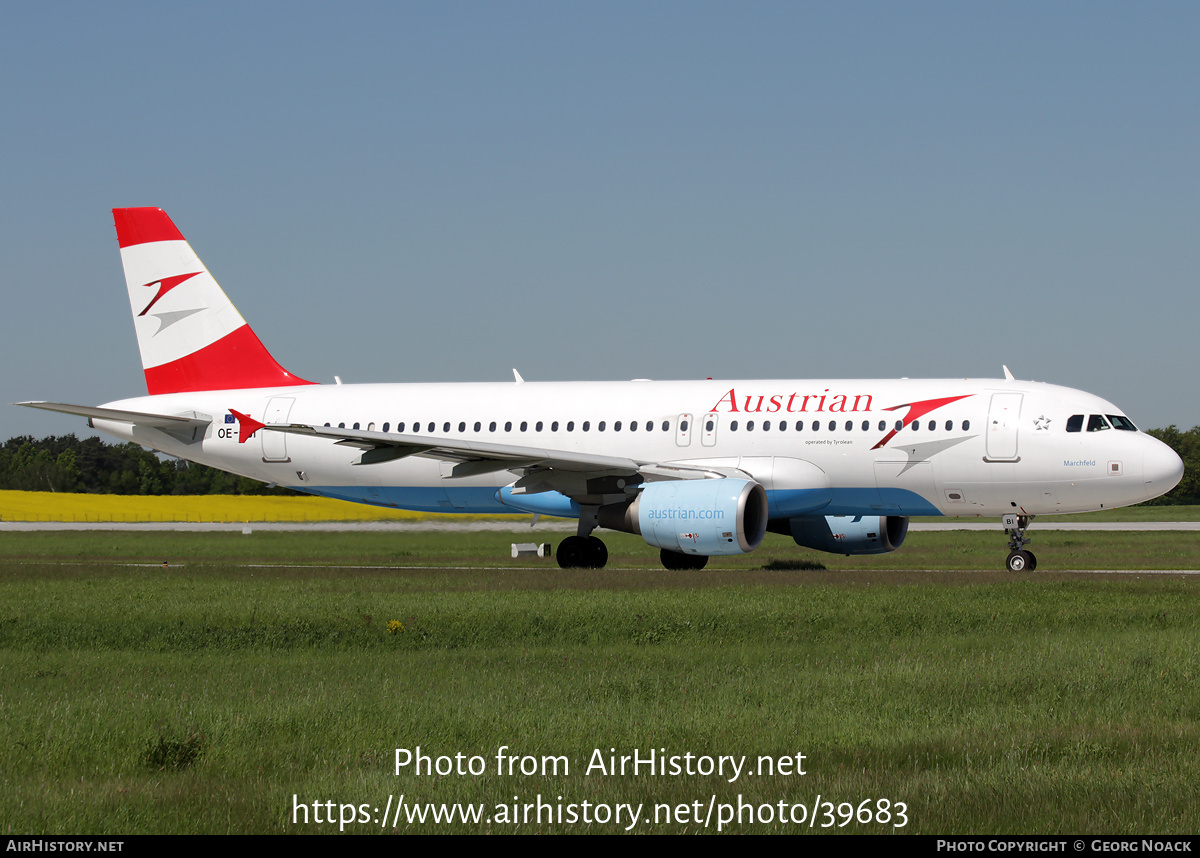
(850, 534)
(707, 517)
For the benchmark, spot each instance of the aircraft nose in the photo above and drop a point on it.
(1162, 469)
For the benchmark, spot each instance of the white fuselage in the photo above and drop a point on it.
(979, 447)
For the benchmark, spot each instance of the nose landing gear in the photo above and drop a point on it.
(1019, 560)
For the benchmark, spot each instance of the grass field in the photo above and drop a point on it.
(216, 694)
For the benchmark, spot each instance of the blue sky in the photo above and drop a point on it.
(425, 192)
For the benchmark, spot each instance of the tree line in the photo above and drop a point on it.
(64, 463)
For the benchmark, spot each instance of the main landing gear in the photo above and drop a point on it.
(1019, 560)
(581, 552)
(584, 551)
(678, 560)
(589, 552)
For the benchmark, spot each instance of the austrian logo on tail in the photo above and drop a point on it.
(164, 286)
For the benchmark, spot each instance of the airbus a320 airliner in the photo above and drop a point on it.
(696, 468)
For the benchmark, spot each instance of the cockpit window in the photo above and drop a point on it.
(1097, 423)
(1120, 422)
(1075, 423)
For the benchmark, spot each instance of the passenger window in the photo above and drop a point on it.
(708, 427)
(666, 425)
(554, 426)
(462, 427)
(385, 426)
(949, 425)
(524, 425)
(749, 425)
(632, 425)
(766, 425)
(446, 427)
(600, 426)
(478, 425)
(966, 425)
(816, 427)
(899, 425)
(799, 425)
(1097, 423)
(508, 426)
(538, 427)
(570, 425)
(492, 426)
(400, 428)
(932, 425)
(866, 425)
(617, 426)
(586, 425)
(849, 426)
(355, 425)
(431, 425)
(882, 425)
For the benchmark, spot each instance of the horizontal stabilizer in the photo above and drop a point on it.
(139, 418)
(187, 428)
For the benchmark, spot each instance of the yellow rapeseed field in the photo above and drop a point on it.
(61, 506)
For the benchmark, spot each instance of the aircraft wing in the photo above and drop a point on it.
(477, 457)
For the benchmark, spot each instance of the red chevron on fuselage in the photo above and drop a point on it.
(916, 410)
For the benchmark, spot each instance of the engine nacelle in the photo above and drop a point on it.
(850, 534)
(709, 517)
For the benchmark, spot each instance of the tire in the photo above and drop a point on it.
(678, 561)
(572, 553)
(1021, 561)
(597, 553)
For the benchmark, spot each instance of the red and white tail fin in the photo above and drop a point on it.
(190, 335)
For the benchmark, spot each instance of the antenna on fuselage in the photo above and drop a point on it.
(1008, 376)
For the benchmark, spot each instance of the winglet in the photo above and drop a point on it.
(246, 422)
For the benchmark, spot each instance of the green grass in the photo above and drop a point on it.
(978, 550)
(202, 697)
